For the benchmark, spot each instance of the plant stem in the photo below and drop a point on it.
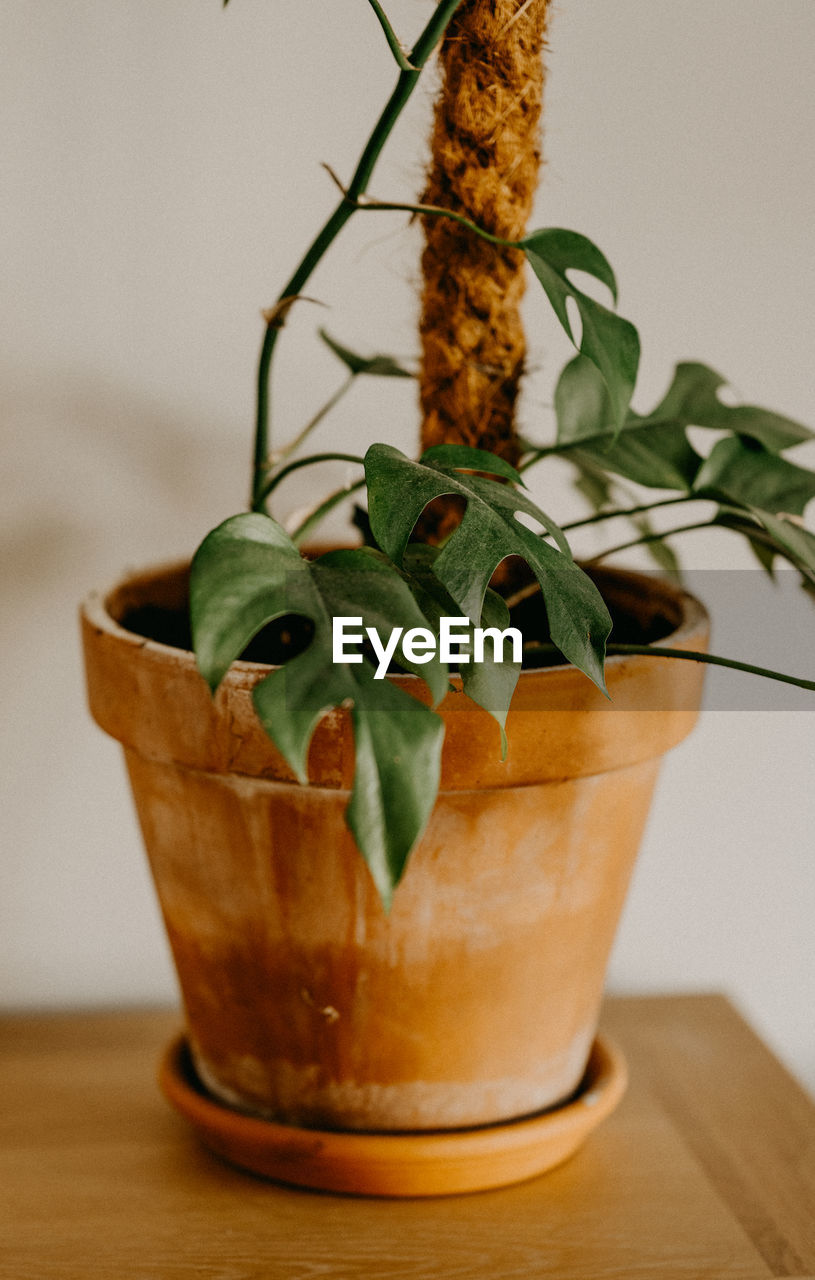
(651, 537)
(655, 651)
(306, 431)
(261, 456)
(394, 44)
(542, 451)
(607, 436)
(435, 211)
(313, 519)
(690, 655)
(631, 511)
(307, 462)
(405, 85)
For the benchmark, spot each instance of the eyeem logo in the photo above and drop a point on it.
(419, 644)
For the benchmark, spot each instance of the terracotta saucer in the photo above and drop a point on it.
(398, 1164)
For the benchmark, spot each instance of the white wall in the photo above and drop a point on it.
(160, 175)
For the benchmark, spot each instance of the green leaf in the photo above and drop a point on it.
(582, 405)
(361, 581)
(609, 341)
(490, 683)
(745, 473)
(658, 457)
(692, 398)
(564, 251)
(400, 489)
(401, 486)
(764, 555)
(652, 453)
(653, 449)
(769, 533)
(398, 763)
(462, 457)
(380, 366)
(795, 543)
(235, 571)
(247, 573)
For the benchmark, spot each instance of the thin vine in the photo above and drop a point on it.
(349, 204)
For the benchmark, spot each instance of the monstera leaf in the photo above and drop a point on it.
(247, 573)
(399, 490)
(650, 451)
(744, 472)
(693, 399)
(653, 449)
(608, 341)
(490, 683)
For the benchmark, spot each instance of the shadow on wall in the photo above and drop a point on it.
(96, 476)
(87, 462)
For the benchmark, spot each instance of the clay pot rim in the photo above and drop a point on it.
(583, 731)
(103, 608)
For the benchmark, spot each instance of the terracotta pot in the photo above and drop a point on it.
(476, 999)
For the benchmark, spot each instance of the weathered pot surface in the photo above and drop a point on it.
(476, 999)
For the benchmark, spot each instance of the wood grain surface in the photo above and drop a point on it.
(706, 1170)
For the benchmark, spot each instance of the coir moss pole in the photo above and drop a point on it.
(484, 163)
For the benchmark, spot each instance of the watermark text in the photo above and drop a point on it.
(456, 638)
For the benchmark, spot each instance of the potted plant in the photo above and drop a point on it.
(389, 860)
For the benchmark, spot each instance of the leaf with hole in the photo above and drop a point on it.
(491, 682)
(693, 399)
(653, 449)
(399, 490)
(655, 453)
(247, 573)
(609, 341)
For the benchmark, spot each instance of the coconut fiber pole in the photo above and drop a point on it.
(484, 163)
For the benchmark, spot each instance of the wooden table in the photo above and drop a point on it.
(706, 1170)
